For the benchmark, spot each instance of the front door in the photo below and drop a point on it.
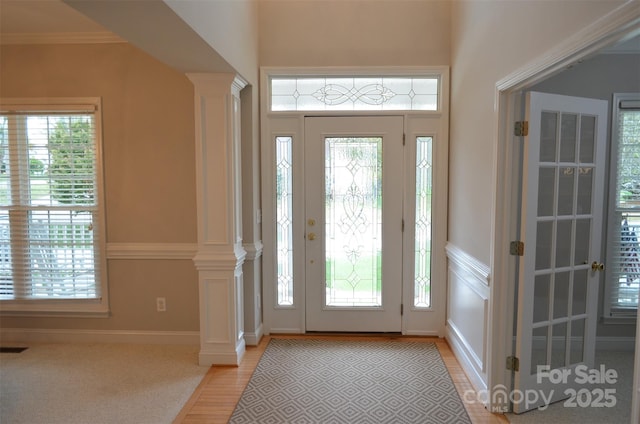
(353, 205)
(560, 270)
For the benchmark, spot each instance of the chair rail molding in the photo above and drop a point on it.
(160, 251)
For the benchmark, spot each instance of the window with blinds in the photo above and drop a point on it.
(50, 209)
(623, 278)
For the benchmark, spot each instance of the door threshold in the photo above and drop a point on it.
(354, 333)
(329, 335)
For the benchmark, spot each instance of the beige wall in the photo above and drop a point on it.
(490, 40)
(149, 159)
(354, 33)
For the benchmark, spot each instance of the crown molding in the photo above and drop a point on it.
(60, 38)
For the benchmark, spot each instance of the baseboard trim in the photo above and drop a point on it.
(422, 333)
(42, 335)
(209, 357)
(253, 338)
(286, 331)
(467, 359)
(616, 343)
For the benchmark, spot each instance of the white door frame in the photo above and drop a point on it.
(291, 318)
(606, 31)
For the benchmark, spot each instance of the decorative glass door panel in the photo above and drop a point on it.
(353, 221)
(563, 197)
(353, 198)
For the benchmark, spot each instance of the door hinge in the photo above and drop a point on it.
(404, 139)
(516, 248)
(401, 309)
(402, 229)
(513, 363)
(521, 128)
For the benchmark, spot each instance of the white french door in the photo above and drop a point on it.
(560, 271)
(353, 227)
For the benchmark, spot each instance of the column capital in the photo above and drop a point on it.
(217, 82)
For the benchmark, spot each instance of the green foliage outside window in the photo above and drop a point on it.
(72, 162)
(629, 157)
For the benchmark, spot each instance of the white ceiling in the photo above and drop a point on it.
(43, 16)
(19, 17)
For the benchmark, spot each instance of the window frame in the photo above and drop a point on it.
(97, 307)
(611, 314)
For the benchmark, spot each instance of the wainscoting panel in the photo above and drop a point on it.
(467, 313)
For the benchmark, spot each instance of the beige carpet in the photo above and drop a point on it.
(559, 413)
(97, 383)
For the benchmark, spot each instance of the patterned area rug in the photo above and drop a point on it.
(324, 381)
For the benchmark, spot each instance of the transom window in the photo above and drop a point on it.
(50, 208)
(339, 93)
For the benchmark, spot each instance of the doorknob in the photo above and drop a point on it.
(311, 236)
(595, 266)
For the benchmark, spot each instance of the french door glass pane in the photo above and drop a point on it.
(565, 190)
(353, 217)
(422, 282)
(587, 138)
(541, 298)
(540, 338)
(579, 302)
(577, 341)
(585, 189)
(561, 294)
(559, 345)
(568, 137)
(284, 220)
(546, 190)
(548, 136)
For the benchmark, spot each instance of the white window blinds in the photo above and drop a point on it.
(623, 278)
(49, 203)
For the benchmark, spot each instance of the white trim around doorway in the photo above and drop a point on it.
(620, 23)
(291, 318)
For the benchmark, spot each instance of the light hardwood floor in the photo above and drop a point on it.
(215, 398)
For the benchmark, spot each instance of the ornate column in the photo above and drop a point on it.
(218, 182)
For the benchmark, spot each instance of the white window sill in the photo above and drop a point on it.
(54, 308)
(619, 320)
